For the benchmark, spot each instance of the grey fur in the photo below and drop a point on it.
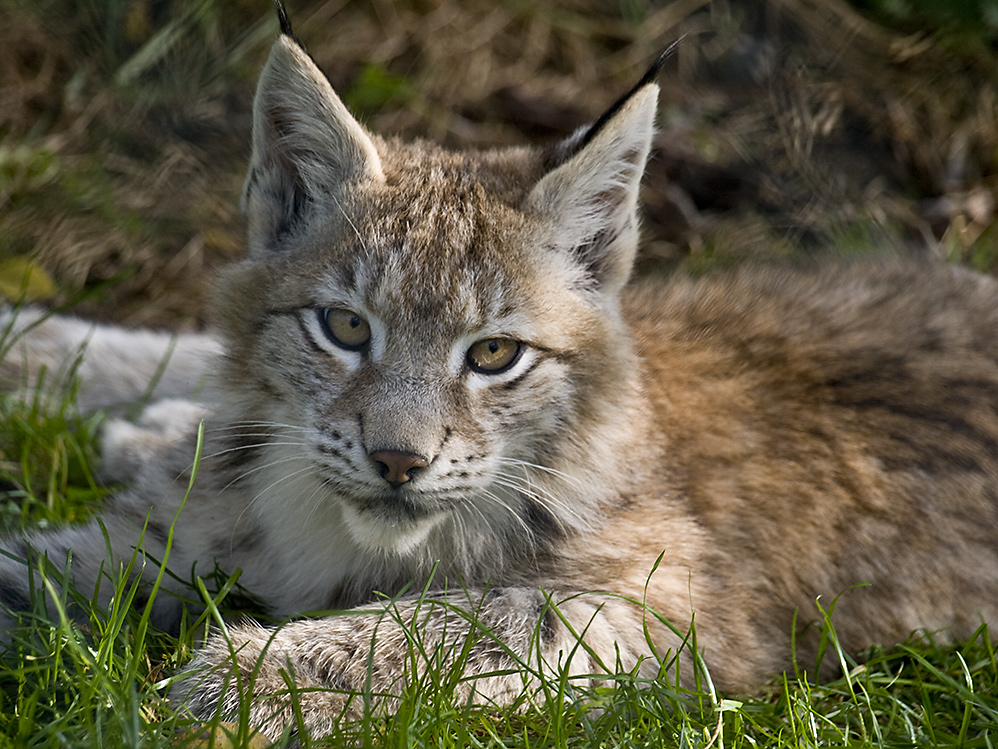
(775, 436)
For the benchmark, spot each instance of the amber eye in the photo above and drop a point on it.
(494, 355)
(345, 328)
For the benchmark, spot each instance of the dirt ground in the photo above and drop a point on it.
(789, 128)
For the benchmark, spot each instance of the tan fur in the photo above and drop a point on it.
(778, 437)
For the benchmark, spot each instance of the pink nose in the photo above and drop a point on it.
(395, 466)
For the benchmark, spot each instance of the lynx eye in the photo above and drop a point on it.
(346, 329)
(494, 355)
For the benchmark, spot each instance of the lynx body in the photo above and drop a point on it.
(432, 368)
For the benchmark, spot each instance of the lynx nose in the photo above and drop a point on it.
(395, 466)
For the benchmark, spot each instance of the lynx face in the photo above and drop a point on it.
(433, 327)
(416, 411)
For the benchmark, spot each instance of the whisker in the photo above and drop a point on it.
(321, 489)
(219, 453)
(258, 431)
(490, 495)
(259, 495)
(533, 491)
(254, 446)
(270, 422)
(546, 469)
(261, 467)
(560, 509)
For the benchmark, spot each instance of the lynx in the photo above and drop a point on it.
(432, 372)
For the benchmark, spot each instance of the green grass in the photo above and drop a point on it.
(46, 452)
(100, 681)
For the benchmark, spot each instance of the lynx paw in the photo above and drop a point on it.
(128, 447)
(315, 668)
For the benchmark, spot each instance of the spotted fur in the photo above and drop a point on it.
(775, 436)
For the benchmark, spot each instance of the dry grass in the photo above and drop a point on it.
(788, 125)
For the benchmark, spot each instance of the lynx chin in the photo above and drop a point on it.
(432, 370)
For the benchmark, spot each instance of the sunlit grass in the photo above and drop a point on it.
(101, 677)
(47, 449)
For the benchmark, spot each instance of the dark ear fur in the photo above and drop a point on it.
(581, 137)
(285, 22)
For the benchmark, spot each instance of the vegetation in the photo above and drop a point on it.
(124, 124)
(123, 136)
(103, 683)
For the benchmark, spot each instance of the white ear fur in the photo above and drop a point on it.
(592, 197)
(306, 145)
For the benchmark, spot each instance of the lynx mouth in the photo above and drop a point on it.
(389, 523)
(394, 504)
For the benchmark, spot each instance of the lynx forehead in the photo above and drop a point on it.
(431, 371)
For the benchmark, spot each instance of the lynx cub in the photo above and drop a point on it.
(432, 366)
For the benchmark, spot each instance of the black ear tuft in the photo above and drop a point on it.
(285, 22)
(650, 75)
(581, 138)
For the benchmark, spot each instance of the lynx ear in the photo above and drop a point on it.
(590, 196)
(306, 146)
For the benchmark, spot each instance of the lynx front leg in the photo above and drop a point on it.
(502, 641)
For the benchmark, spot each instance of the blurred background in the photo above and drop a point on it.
(788, 128)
